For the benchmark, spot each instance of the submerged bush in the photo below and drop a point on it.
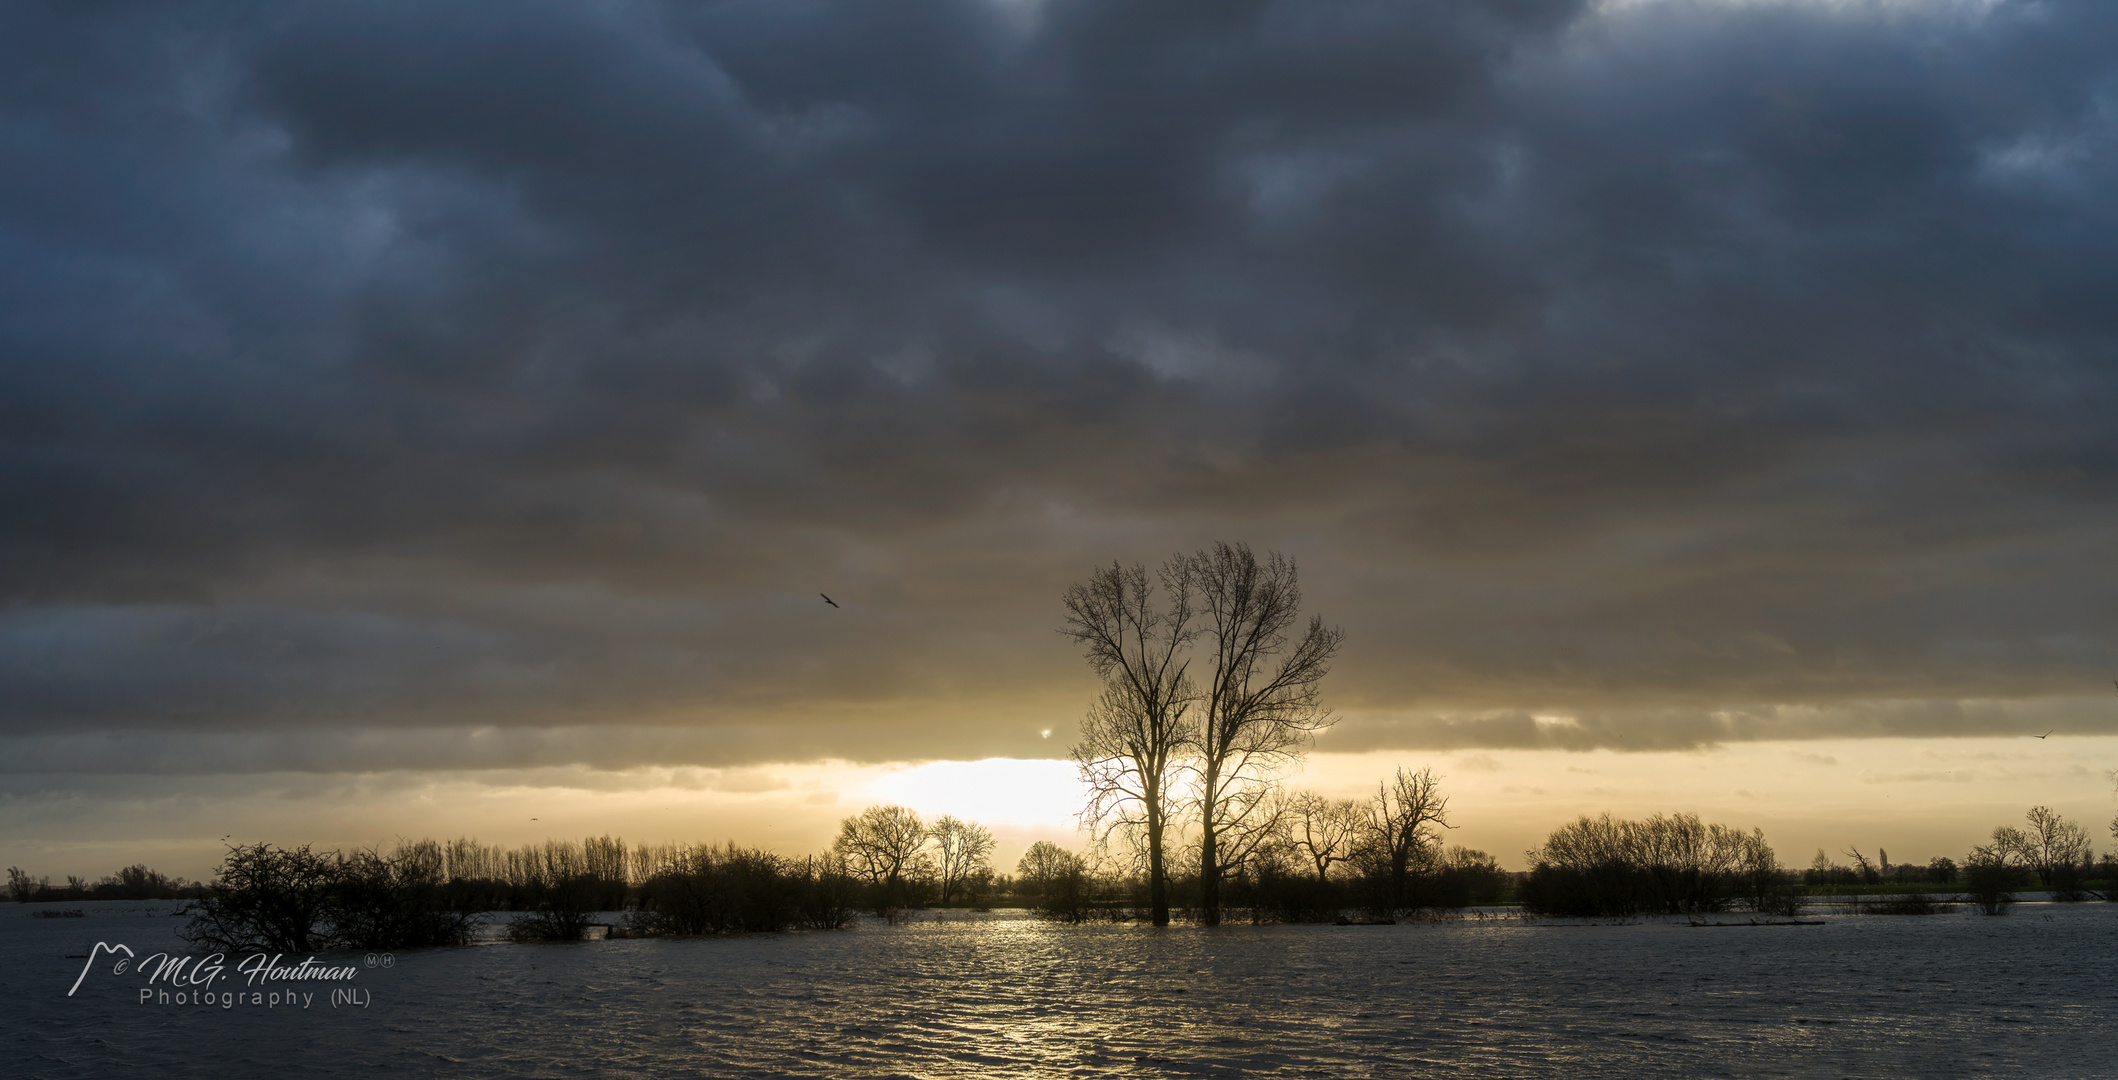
(266, 898)
(395, 902)
(1905, 904)
(1780, 897)
(734, 890)
(708, 890)
(560, 910)
(1989, 879)
(829, 894)
(273, 899)
(1277, 884)
(1064, 890)
(1277, 892)
(1460, 878)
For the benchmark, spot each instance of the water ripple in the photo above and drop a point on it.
(1953, 995)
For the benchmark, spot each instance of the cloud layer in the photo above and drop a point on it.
(530, 367)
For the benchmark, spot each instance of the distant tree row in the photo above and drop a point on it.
(1320, 859)
(2048, 852)
(135, 882)
(425, 893)
(1679, 865)
(1940, 870)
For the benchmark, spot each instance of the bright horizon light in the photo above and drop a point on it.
(1917, 797)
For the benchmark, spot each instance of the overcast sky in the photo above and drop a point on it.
(420, 389)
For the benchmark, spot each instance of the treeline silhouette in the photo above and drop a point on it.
(1067, 887)
(135, 882)
(1661, 865)
(1679, 865)
(2047, 852)
(1940, 870)
(428, 893)
(1324, 860)
(709, 890)
(296, 900)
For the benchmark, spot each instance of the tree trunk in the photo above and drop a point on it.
(1157, 879)
(1209, 851)
(1209, 879)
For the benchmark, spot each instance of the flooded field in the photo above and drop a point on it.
(1002, 995)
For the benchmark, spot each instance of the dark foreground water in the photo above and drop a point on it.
(2028, 994)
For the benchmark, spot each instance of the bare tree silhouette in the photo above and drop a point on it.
(1141, 724)
(1404, 830)
(1325, 831)
(267, 898)
(1869, 875)
(963, 856)
(884, 846)
(1261, 701)
(2054, 849)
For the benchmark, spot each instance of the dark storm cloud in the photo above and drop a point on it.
(369, 366)
(1653, 729)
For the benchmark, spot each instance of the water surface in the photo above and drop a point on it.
(1942, 996)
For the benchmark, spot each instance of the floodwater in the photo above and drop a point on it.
(1959, 994)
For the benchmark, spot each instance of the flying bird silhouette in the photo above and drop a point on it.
(830, 601)
(2047, 734)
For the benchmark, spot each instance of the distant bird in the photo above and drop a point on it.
(834, 603)
(2047, 734)
(533, 819)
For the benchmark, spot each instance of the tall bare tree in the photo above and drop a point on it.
(1404, 827)
(1261, 700)
(963, 853)
(1141, 725)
